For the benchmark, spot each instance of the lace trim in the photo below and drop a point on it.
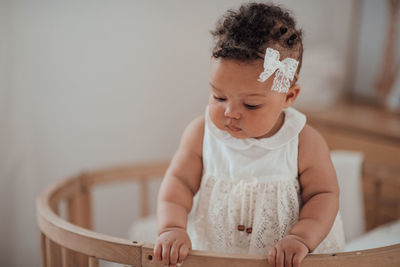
(270, 209)
(223, 205)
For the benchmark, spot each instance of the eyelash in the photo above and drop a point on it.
(250, 107)
(220, 99)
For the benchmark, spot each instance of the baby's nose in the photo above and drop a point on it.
(232, 112)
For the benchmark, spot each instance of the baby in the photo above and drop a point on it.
(264, 179)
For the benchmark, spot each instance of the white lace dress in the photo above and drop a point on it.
(251, 184)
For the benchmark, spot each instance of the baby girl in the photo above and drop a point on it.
(264, 179)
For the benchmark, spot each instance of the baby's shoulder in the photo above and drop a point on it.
(309, 136)
(192, 138)
(196, 126)
(312, 147)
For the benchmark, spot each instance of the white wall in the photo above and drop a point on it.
(88, 84)
(372, 45)
(5, 207)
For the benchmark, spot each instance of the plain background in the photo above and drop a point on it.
(369, 61)
(92, 84)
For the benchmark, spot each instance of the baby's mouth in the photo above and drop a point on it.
(233, 128)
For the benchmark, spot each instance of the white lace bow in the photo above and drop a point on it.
(286, 70)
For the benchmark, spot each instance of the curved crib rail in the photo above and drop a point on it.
(73, 243)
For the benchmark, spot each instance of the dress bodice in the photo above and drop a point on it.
(264, 159)
(251, 183)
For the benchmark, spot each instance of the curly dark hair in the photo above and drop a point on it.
(245, 34)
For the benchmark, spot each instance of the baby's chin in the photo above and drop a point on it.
(237, 134)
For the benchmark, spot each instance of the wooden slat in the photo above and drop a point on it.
(80, 208)
(53, 254)
(66, 257)
(43, 249)
(79, 212)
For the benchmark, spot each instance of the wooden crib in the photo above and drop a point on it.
(71, 242)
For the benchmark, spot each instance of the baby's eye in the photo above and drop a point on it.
(252, 106)
(220, 99)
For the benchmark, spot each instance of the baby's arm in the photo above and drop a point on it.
(175, 198)
(320, 196)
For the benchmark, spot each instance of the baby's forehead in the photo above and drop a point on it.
(256, 93)
(243, 77)
(243, 90)
(253, 92)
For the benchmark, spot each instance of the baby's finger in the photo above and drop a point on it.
(279, 258)
(174, 253)
(183, 252)
(157, 251)
(271, 256)
(297, 258)
(288, 259)
(165, 253)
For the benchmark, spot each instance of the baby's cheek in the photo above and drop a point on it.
(216, 115)
(263, 127)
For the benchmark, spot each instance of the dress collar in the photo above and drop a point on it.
(294, 122)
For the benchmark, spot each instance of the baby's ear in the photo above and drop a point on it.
(291, 95)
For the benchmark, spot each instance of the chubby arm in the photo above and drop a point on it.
(182, 179)
(175, 198)
(320, 190)
(320, 196)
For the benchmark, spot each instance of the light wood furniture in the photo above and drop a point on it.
(71, 242)
(376, 133)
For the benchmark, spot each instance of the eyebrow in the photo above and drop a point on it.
(213, 86)
(255, 94)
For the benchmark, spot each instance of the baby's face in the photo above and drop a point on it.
(240, 104)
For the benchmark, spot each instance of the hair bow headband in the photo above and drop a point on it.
(286, 70)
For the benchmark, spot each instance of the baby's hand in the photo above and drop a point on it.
(172, 246)
(288, 252)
